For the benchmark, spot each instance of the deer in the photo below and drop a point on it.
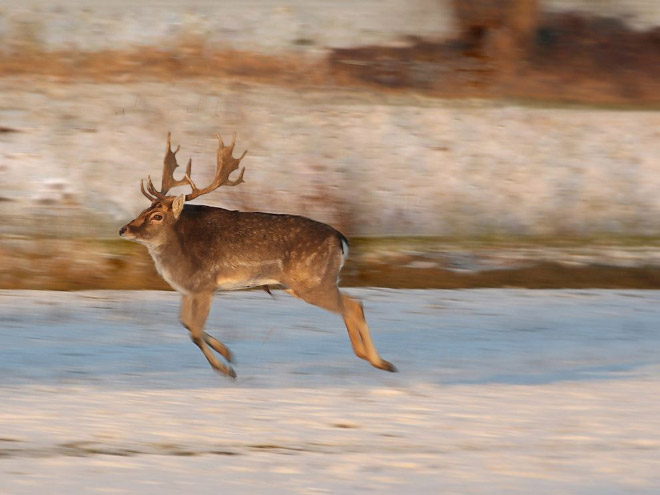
(199, 249)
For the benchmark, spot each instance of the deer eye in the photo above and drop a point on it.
(158, 217)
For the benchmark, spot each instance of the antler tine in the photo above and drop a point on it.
(169, 145)
(146, 194)
(226, 164)
(153, 191)
(231, 164)
(169, 165)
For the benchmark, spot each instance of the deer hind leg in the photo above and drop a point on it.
(332, 299)
(353, 315)
(194, 311)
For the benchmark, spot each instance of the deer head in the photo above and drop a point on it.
(153, 224)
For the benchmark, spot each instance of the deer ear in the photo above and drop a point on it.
(177, 205)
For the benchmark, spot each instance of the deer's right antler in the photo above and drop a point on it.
(226, 164)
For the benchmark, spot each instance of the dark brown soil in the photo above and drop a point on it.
(537, 276)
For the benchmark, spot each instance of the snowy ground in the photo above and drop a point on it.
(455, 168)
(499, 392)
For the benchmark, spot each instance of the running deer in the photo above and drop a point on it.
(198, 249)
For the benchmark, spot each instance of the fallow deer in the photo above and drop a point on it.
(198, 249)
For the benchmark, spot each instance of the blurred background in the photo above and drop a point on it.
(458, 143)
(465, 143)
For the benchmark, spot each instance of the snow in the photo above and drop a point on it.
(499, 391)
(260, 25)
(369, 165)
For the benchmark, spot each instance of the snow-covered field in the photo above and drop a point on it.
(368, 164)
(499, 392)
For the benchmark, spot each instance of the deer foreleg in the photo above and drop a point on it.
(194, 311)
(185, 317)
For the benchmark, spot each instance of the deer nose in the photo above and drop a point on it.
(122, 230)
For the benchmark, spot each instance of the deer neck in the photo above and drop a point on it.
(165, 249)
(170, 260)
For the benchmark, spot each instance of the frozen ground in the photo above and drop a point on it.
(499, 392)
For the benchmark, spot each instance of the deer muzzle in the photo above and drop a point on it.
(124, 232)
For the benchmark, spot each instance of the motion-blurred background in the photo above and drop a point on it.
(459, 143)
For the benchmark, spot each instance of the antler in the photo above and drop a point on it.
(169, 164)
(168, 180)
(226, 164)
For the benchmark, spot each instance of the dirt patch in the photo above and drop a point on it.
(537, 276)
(570, 56)
(49, 264)
(75, 265)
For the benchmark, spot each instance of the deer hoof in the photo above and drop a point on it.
(387, 366)
(231, 373)
(225, 371)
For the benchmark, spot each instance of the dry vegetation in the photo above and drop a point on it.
(567, 57)
(46, 264)
(187, 61)
(570, 57)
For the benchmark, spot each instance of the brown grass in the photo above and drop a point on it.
(49, 265)
(151, 63)
(571, 57)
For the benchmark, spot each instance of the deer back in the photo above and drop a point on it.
(217, 248)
